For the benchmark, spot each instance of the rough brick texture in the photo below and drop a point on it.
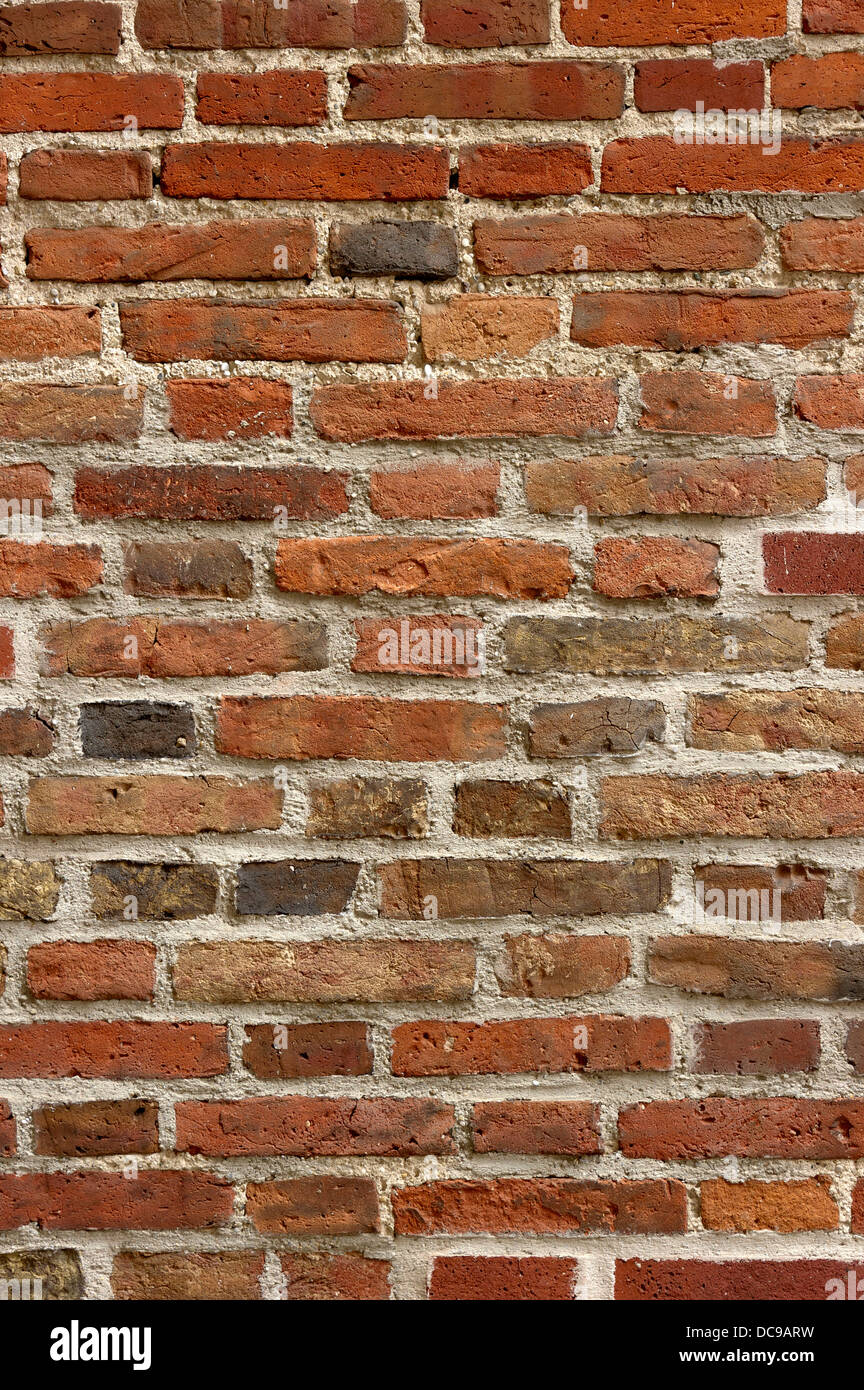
(431, 640)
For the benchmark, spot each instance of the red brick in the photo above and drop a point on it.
(806, 1205)
(210, 493)
(764, 1047)
(433, 644)
(301, 330)
(540, 1206)
(92, 970)
(71, 176)
(63, 571)
(536, 91)
(623, 485)
(394, 565)
(38, 410)
(24, 734)
(610, 241)
(502, 1278)
(315, 1126)
(28, 335)
(524, 171)
(485, 23)
(656, 567)
(812, 805)
(705, 403)
(274, 1050)
(691, 22)
(657, 164)
(831, 402)
(833, 81)
(676, 321)
(117, 1051)
(802, 562)
(159, 805)
(85, 26)
(172, 1275)
(91, 1129)
(243, 408)
(678, 84)
(89, 101)
(100, 647)
(435, 491)
(757, 1281)
(831, 17)
(494, 409)
(583, 1044)
(822, 243)
(473, 327)
(315, 1278)
(305, 170)
(260, 249)
(229, 24)
(769, 1128)
(536, 1127)
(274, 98)
(153, 1201)
(300, 727)
(315, 1206)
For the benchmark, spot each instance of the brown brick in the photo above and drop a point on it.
(536, 1127)
(273, 1050)
(589, 1044)
(319, 1206)
(742, 969)
(540, 1206)
(172, 1275)
(89, 1129)
(513, 809)
(314, 1126)
(352, 808)
(324, 971)
(764, 1047)
(806, 1205)
(561, 967)
(502, 1278)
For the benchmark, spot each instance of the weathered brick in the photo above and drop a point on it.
(613, 646)
(189, 569)
(656, 567)
(741, 969)
(485, 23)
(155, 892)
(755, 719)
(137, 729)
(620, 485)
(820, 243)
(763, 1047)
(313, 1125)
(72, 176)
(155, 1200)
(556, 967)
(319, 1206)
(92, 970)
(406, 566)
(274, 1050)
(117, 1051)
(540, 1206)
(806, 1205)
(265, 249)
(834, 81)
(295, 887)
(660, 164)
(811, 805)
(161, 648)
(301, 727)
(679, 320)
(524, 171)
(473, 327)
(305, 330)
(91, 1129)
(704, 403)
(753, 892)
(652, 1281)
(611, 241)
(172, 1275)
(590, 1044)
(257, 24)
(468, 888)
(313, 1278)
(324, 971)
(211, 493)
(353, 808)
(536, 1127)
(430, 644)
(25, 734)
(746, 1128)
(29, 889)
(68, 414)
(802, 562)
(490, 808)
(502, 1278)
(243, 408)
(616, 725)
(158, 805)
(407, 250)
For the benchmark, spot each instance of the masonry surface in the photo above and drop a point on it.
(431, 641)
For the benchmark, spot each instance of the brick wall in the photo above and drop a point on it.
(433, 712)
